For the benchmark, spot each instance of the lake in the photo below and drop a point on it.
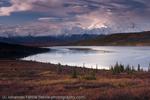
(91, 56)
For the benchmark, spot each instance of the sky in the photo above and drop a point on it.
(54, 17)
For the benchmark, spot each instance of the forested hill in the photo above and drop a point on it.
(12, 51)
(120, 39)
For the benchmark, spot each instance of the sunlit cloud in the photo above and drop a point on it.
(17, 6)
(59, 15)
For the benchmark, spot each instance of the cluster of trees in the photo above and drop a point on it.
(91, 74)
(120, 68)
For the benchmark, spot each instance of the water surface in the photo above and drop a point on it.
(92, 56)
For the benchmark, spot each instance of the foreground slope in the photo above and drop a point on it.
(24, 78)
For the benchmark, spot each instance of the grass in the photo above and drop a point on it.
(33, 78)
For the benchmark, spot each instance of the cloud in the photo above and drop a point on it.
(17, 6)
(69, 8)
(57, 15)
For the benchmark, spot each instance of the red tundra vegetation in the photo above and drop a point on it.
(22, 78)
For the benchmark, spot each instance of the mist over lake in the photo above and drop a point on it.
(92, 56)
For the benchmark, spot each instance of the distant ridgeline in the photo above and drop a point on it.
(120, 39)
(12, 51)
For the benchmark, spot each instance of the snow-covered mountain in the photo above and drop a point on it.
(46, 30)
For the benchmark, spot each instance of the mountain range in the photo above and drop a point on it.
(47, 40)
(119, 39)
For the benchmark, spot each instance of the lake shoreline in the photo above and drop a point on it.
(35, 78)
(92, 56)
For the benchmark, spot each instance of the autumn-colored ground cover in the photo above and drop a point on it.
(21, 78)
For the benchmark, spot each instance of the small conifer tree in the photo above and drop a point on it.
(139, 68)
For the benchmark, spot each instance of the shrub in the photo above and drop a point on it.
(90, 76)
(74, 73)
(59, 68)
